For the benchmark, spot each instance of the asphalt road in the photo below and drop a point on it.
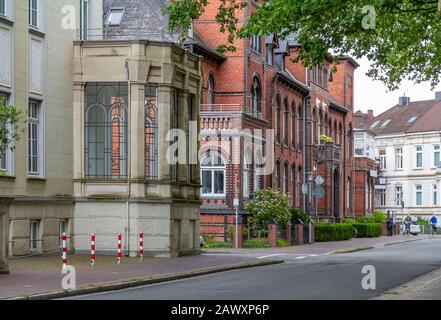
(337, 276)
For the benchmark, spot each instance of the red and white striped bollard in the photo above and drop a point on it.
(92, 250)
(141, 245)
(64, 254)
(119, 248)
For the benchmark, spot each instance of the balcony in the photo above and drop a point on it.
(328, 152)
(238, 109)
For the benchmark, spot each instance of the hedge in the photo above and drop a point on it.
(256, 243)
(367, 230)
(325, 232)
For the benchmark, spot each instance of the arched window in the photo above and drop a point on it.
(313, 127)
(350, 141)
(286, 178)
(247, 173)
(285, 122)
(293, 125)
(213, 170)
(278, 120)
(278, 175)
(293, 185)
(151, 133)
(300, 125)
(106, 122)
(256, 97)
(211, 92)
(257, 171)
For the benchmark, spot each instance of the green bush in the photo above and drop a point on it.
(207, 237)
(380, 217)
(367, 230)
(217, 244)
(325, 232)
(422, 222)
(256, 243)
(298, 215)
(282, 243)
(365, 219)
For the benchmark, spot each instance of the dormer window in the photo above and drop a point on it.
(115, 16)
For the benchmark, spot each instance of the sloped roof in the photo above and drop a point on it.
(417, 116)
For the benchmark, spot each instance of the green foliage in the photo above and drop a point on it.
(207, 237)
(256, 243)
(380, 216)
(326, 139)
(422, 222)
(325, 232)
(282, 243)
(217, 244)
(10, 126)
(367, 230)
(298, 216)
(269, 204)
(401, 38)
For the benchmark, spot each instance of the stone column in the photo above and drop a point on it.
(4, 236)
(78, 138)
(136, 152)
(272, 234)
(165, 105)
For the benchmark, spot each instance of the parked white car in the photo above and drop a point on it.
(415, 229)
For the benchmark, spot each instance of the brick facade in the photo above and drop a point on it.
(289, 99)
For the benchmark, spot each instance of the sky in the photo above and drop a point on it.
(370, 94)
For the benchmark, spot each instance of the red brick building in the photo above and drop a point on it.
(258, 87)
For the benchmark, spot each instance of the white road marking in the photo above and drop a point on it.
(272, 255)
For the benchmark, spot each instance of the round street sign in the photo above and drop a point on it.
(305, 188)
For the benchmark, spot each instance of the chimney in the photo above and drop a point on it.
(438, 96)
(404, 101)
(370, 114)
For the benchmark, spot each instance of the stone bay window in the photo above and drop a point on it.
(128, 97)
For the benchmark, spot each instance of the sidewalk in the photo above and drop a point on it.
(426, 287)
(36, 275)
(321, 247)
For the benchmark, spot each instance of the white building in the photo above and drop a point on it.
(408, 147)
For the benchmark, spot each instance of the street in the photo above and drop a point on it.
(336, 276)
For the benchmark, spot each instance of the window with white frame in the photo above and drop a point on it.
(436, 156)
(382, 198)
(246, 175)
(398, 158)
(383, 160)
(34, 13)
(418, 157)
(35, 138)
(418, 195)
(33, 235)
(3, 126)
(3, 7)
(255, 42)
(435, 195)
(213, 170)
(398, 195)
(84, 19)
(115, 16)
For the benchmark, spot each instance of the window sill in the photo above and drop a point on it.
(35, 31)
(418, 169)
(212, 197)
(6, 20)
(7, 177)
(41, 179)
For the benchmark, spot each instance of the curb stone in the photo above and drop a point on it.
(93, 288)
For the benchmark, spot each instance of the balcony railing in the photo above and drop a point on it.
(228, 108)
(328, 152)
(119, 33)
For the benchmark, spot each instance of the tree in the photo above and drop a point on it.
(10, 128)
(268, 205)
(401, 38)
